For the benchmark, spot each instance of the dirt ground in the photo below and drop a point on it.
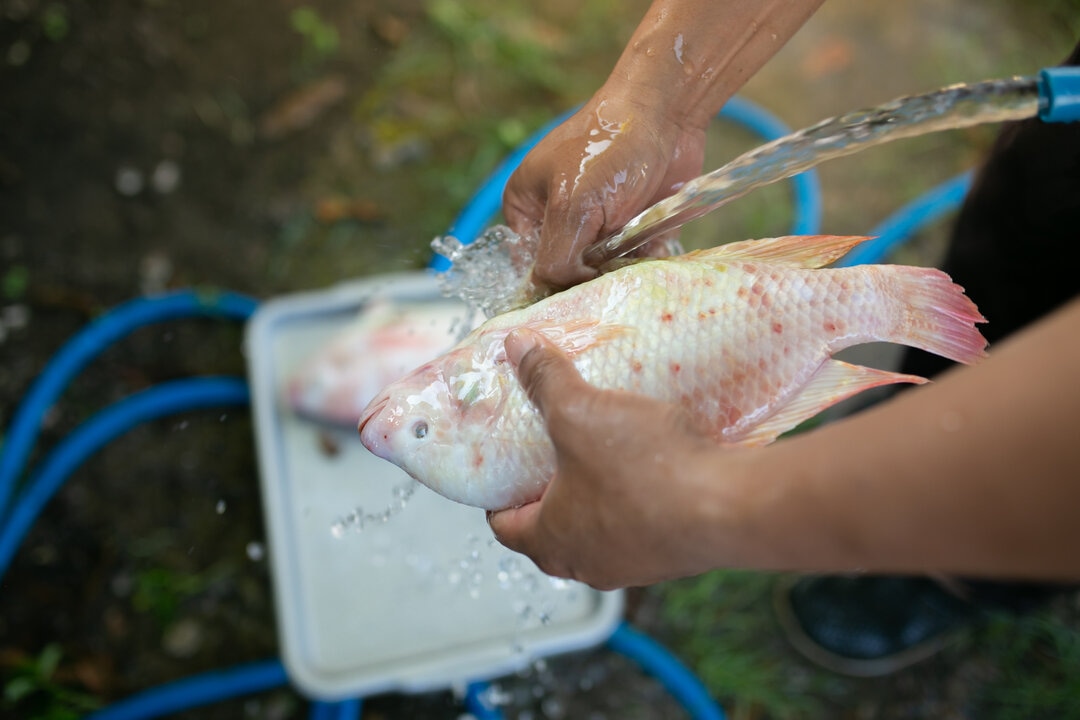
(274, 147)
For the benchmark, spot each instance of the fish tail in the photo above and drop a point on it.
(936, 314)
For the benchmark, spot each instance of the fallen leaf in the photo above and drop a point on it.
(301, 107)
(828, 58)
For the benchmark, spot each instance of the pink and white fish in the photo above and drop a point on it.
(386, 340)
(740, 335)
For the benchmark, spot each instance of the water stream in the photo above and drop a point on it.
(492, 274)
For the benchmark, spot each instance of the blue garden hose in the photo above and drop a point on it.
(677, 679)
(189, 394)
(164, 399)
(902, 224)
(196, 691)
(1059, 91)
(83, 348)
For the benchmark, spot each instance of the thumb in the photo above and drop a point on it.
(513, 527)
(547, 375)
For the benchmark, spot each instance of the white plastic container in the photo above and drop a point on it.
(423, 600)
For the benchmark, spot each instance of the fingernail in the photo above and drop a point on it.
(517, 343)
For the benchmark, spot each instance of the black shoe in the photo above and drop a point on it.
(867, 625)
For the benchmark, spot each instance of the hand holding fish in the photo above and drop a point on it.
(975, 475)
(599, 519)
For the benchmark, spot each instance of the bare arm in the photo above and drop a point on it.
(642, 135)
(977, 474)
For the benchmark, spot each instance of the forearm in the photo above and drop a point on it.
(977, 474)
(688, 57)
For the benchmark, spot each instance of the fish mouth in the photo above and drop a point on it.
(367, 437)
(375, 407)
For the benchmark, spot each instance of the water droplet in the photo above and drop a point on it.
(165, 177)
(495, 696)
(552, 707)
(129, 181)
(255, 551)
(559, 583)
(18, 53)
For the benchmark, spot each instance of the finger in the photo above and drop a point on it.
(516, 530)
(548, 377)
(515, 526)
(570, 226)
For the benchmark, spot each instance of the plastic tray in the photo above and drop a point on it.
(422, 600)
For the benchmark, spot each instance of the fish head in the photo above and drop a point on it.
(443, 424)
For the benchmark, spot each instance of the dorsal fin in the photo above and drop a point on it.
(804, 251)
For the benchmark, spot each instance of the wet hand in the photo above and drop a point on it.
(588, 177)
(625, 492)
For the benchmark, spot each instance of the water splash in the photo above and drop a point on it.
(493, 273)
(358, 519)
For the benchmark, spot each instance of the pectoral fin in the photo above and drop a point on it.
(833, 382)
(575, 336)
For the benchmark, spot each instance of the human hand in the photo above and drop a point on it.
(628, 487)
(589, 176)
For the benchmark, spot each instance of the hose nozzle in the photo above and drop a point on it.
(1059, 94)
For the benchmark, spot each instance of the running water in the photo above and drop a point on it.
(493, 276)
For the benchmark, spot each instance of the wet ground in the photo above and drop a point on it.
(276, 147)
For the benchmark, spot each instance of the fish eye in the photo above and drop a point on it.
(420, 429)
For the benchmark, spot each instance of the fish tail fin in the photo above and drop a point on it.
(937, 316)
(803, 251)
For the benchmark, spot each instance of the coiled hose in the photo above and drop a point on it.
(183, 395)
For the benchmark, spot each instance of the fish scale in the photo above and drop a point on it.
(741, 336)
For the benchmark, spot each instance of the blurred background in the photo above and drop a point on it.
(279, 146)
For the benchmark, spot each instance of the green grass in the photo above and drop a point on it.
(1005, 668)
(721, 624)
(33, 691)
(1037, 668)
